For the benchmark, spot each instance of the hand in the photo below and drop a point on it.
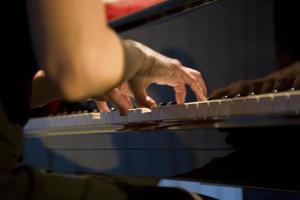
(120, 96)
(153, 68)
(159, 69)
(282, 80)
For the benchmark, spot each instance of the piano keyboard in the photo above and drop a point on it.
(281, 103)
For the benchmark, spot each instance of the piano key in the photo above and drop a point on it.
(213, 108)
(264, 104)
(237, 106)
(280, 102)
(294, 101)
(138, 115)
(225, 108)
(167, 112)
(251, 104)
(117, 118)
(194, 110)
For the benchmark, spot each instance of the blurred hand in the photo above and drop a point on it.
(159, 69)
(120, 96)
(285, 79)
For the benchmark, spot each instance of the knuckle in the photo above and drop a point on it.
(175, 66)
(199, 74)
(175, 61)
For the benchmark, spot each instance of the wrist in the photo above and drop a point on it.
(134, 57)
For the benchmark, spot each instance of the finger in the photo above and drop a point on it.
(219, 93)
(267, 86)
(240, 88)
(201, 82)
(128, 99)
(195, 85)
(125, 89)
(180, 93)
(200, 95)
(296, 84)
(283, 84)
(256, 87)
(102, 106)
(198, 76)
(143, 99)
(118, 98)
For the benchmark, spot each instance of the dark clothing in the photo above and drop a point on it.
(20, 64)
(17, 71)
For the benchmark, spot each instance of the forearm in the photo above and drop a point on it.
(42, 90)
(79, 53)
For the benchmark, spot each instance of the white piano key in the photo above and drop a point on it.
(168, 112)
(225, 108)
(237, 106)
(105, 118)
(251, 104)
(192, 110)
(213, 108)
(265, 104)
(138, 115)
(280, 102)
(294, 101)
(117, 118)
(160, 113)
(198, 110)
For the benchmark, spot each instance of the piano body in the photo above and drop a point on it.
(243, 141)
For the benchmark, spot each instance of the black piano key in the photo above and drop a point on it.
(167, 103)
(113, 109)
(171, 103)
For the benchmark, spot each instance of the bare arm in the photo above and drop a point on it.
(79, 53)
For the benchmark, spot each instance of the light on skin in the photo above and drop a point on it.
(75, 49)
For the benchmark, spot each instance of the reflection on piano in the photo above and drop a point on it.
(275, 108)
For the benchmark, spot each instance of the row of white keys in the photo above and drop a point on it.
(133, 115)
(281, 102)
(62, 121)
(191, 111)
(168, 112)
(185, 111)
(257, 104)
(139, 115)
(213, 108)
